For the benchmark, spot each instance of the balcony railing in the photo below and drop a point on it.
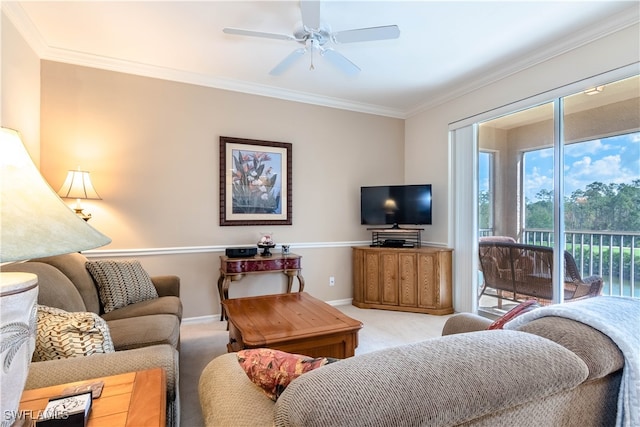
(615, 256)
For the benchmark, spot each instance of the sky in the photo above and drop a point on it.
(608, 160)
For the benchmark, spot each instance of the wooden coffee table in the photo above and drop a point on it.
(295, 323)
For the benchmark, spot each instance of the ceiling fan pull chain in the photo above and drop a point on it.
(311, 68)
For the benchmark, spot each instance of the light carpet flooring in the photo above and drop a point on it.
(201, 342)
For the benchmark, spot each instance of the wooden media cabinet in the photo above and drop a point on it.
(403, 279)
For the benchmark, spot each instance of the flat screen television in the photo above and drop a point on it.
(395, 205)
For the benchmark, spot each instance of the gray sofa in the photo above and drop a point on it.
(552, 371)
(145, 334)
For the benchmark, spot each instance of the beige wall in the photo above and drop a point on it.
(20, 88)
(152, 147)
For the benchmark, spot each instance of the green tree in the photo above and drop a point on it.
(626, 207)
(540, 213)
(601, 207)
(484, 210)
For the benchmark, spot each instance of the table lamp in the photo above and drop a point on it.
(34, 222)
(78, 186)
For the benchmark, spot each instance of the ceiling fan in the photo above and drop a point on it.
(315, 34)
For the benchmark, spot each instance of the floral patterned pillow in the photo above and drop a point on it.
(523, 307)
(273, 370)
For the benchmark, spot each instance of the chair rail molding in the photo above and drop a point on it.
(179, 250)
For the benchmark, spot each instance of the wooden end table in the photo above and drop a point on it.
(134, 399)
(293, 322)
(233, 269)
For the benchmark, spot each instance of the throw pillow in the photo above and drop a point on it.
(516, 311)
(62, 334)
(273, 370)
(121, 283)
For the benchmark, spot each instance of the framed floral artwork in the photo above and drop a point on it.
(255, 182)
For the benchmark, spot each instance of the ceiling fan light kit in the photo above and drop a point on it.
(314, 34)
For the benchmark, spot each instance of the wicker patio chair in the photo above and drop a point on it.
(517, 272)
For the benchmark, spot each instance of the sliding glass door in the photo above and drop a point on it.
(515, 183)
(566, 175)
(601, 171)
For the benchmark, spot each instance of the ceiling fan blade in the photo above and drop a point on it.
(239, 32)
(310, 13)
(288, 61)
(340, 61)
(367, 34)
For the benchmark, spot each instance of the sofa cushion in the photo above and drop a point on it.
(73, 266)
(54, 288)
(144, 331)
(597, 350)
(273, 370)
(121, 283)
(160, 305)
(523, 307)
(62, 334)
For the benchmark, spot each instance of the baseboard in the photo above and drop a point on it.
(346, 301)
(201, 319)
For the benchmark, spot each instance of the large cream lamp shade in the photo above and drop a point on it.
(34, 222)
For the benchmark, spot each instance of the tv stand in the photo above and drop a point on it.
(396, 237)
(413, 280)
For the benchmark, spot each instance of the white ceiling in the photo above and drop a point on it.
(445, 48)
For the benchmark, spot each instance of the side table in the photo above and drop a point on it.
(233, 269)
(133, 399)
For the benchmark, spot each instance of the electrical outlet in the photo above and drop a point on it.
(332, 280)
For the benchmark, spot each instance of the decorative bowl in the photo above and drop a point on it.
(266, 248)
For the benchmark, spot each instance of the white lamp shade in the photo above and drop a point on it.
(34, 221)
(78, 185)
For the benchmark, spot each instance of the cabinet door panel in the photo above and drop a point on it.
(389, 278)
(408, 278)
(371, 278)
(428, 286)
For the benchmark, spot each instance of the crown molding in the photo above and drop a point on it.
(163, 73)
(27, 29)
(25, 26)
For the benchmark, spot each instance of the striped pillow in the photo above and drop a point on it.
(62, 334)
(121, 283)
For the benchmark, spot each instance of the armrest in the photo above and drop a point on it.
(60, 371)
(167, 286)
(229, 398)
(590, 287)
(465, 322)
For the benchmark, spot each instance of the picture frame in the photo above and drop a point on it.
(255, 182)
